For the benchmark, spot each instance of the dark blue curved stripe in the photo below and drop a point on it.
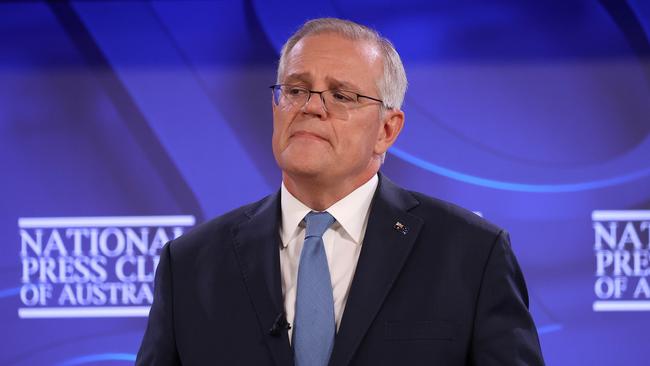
(8, 292)
(69, 16)
(80, 360)
(519, 187)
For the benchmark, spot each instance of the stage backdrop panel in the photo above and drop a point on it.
(124, 124)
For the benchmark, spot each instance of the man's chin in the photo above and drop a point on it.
(304, 169)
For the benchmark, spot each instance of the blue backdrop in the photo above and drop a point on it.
(534, 113)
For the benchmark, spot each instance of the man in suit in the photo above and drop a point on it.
(341, 266)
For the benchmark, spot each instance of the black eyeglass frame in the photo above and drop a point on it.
(320, 93)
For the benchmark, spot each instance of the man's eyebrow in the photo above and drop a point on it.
(331, 82)
(339, 84)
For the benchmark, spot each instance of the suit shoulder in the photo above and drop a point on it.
(453, 216)
(215, 231)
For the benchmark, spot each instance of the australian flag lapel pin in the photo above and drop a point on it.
(401, 228)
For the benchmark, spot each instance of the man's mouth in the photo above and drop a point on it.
(305, 134)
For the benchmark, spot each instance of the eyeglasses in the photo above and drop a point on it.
(336, 102)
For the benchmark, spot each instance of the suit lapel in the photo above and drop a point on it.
(256, 243)
(386, 247)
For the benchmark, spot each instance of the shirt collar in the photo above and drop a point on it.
(351, 212)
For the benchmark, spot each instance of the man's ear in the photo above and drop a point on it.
(391, 125)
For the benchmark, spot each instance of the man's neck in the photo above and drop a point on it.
(319, 195)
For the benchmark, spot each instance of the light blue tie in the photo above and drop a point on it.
(314, 326)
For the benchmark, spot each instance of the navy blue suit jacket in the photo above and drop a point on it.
(443, 290)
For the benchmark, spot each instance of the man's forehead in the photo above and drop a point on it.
(339, 61)
(333, 43)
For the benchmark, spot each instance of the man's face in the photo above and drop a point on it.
(309, 142)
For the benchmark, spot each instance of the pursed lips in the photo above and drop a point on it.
(307, 135)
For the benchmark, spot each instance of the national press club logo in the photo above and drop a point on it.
(622, 253)
(89, 267)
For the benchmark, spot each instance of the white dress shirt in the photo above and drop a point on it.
(342, 243)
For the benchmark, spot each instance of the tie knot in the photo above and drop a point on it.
(317, 223)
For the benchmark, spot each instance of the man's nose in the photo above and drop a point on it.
(315, 105)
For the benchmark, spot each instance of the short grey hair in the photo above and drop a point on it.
(391, 86)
